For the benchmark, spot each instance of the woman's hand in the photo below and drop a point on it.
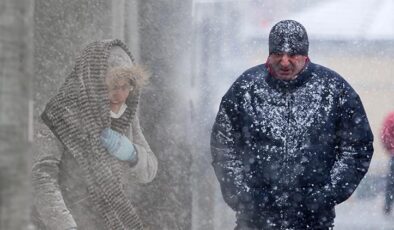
(118, 145)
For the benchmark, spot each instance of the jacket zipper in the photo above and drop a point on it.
(288, 109)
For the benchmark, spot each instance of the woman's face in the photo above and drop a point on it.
(119, 92)
(119, 89)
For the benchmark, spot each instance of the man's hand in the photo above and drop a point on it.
(319, 198)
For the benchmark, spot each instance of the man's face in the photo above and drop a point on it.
(119, 92)
(286, 66)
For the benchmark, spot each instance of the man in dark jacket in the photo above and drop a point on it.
(291, 139)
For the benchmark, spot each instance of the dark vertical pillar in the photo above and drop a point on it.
(62, 29)
(165, 32)
(15, 136)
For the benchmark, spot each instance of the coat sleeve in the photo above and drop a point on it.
(355, 146)
(48, 199)
(226, 150)
(145, 168)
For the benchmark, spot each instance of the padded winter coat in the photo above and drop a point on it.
(61, 195)
(387, 134)
(286, 152)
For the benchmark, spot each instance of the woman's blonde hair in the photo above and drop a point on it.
(136, 75)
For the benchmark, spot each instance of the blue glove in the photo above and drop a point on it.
(118, 145)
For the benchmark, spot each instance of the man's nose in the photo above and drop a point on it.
(284, 61)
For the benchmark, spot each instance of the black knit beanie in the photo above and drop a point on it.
(288, 36)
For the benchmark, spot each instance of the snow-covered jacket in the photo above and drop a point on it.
(286, 152)
(77, 183)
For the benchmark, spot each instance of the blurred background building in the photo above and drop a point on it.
(195, 49)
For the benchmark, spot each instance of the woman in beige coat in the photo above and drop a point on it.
(84, 166)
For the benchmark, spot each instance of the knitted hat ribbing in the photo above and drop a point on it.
(288, 36)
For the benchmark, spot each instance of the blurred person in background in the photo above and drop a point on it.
(90, 148)
(291, 139)
(387, 136)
